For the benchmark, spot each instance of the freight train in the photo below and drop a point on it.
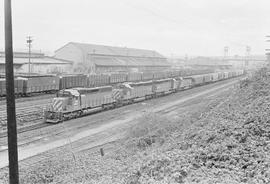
(25, 85)
(75, 102)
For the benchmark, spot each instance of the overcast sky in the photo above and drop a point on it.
(178, 27)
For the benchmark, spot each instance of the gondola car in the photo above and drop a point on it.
(131, 77)
(146, 76)
(220, 76)
(40, 84)
(160, 75)
(98, 80)
(3, 87)
(207, 78)
(197, 80)
(118, 78)
(215, 77)
(73, 81)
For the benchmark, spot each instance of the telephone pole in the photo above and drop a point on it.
(226, 52)
(29, 42)
(10, 98)
(248, 51)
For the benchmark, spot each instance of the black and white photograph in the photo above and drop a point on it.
(135, 92)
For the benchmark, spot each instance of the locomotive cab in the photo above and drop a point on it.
(69, 98)
(66, 100)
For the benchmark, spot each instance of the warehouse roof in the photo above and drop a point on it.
(128, 61)
(207, 61)
(114, 51)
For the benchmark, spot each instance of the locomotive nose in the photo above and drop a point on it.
(59, 104)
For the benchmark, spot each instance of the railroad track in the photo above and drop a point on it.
(85, 143)
(31, 97)
(25, 111)
(74, 149)
(27, 128)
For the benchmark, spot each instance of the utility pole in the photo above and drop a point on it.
(226, 52)
(10, 99)
(248, 50)
(29, 42)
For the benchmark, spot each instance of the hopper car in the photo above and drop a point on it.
(25, 85)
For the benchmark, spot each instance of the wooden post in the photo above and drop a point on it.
(101, 151)
(11, 113)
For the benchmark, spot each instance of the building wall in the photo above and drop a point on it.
(72, 53)
(81, 61)
(69, 52)
(111, 69)
(3, 68)
(46, 68)
(85, 62)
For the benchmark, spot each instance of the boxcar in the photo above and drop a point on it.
(40, 84)
(185, 83)
(225, 75)
(164, 85)
(134, 77)
(118, 78)
(72, 81)
(98, 80)
(220, 76)
(207, 78)
(197, 80)
(214, 76)
(19, 86)
(230, 74)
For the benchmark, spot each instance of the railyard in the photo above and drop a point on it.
(37, 141)
(129, 92)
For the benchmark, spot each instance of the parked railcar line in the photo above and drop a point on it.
(40, 84)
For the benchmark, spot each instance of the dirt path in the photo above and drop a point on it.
(128, 116)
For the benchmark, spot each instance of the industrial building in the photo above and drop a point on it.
(90, 58)
(208, 63)
(220, 62)
(39, 63)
